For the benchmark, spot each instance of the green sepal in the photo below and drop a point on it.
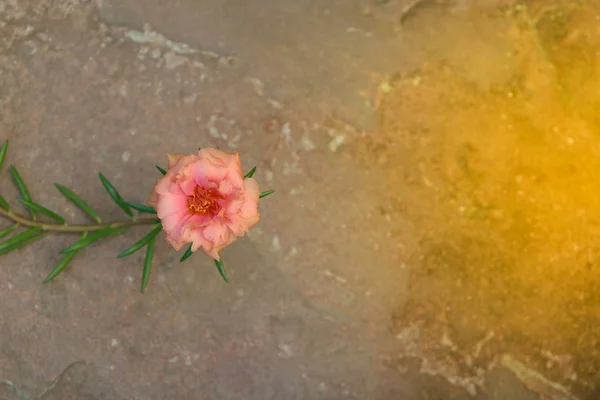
(92, 237)
(148, 263)
(188, 253)
(4, 204)
(114, 194)
(22, 187)
(42, 210)
(266, 193)
(141, 208)
(221, 269)
(250, 173)
(20, 237)
(3, 151)
(60, 267)
(162, 171)
(8, 230)
(15, 246)
(79, 202)
(141, 243)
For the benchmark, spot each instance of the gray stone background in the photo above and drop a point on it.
(112, 86)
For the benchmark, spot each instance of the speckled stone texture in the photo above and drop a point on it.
(83, 89)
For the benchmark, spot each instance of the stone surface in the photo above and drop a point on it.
(85, 88)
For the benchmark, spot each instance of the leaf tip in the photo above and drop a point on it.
(250, 173)
(188, 253)
(266, 193)
(162, 170)
(221, 269)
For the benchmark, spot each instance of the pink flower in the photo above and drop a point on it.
(204, 199)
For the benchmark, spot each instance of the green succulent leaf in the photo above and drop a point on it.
(3, 151)
(115, 195)
(250, 173)
(141, 243)
(148, 263)
(43, 210)
(23, 243)
(62, 264)
(93, 237)
(162, 171)
(21, 185)
(141, 208)
(60, 267)
(266, 193)
(79, 202)
(20, 240)
(20, 237)
(4, 204)
(221, 269)
(188, 253)
(8, 231)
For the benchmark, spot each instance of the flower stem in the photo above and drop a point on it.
(66, 228)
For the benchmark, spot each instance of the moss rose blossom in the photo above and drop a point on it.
(203, 199)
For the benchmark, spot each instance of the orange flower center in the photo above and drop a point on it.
(204, 201)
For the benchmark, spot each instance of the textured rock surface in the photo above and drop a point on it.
(85, 88)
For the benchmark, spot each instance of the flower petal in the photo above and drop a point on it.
(196, 237)
(215, 155)
(173, 158)
(174, 222)
(251, 196)
(154, 196)
(186, 181)
(170, 204)
(172, 225)
(235, 174)
(205, 172)
(217, 232)
(181, 162)
(225, 187)
(214, 252)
